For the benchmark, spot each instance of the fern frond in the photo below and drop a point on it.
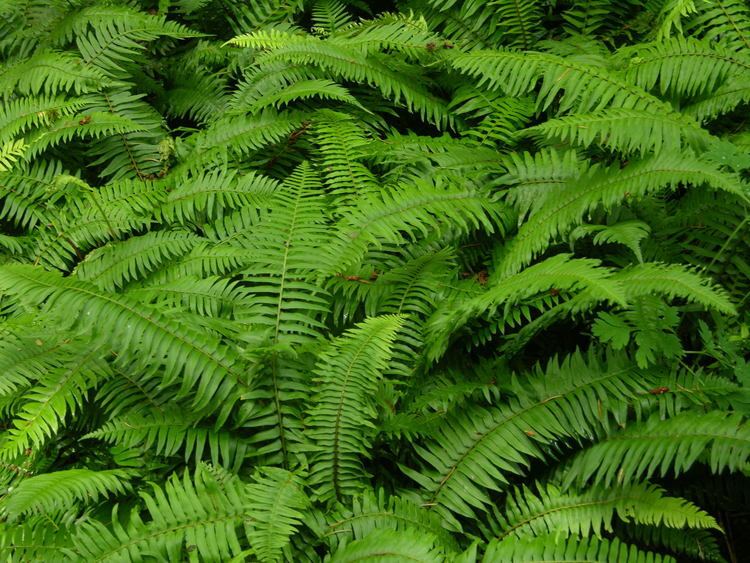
(19, 116)
(343, 146)
(607, 187)
(115, 265)
(550, 548)
(550, 510)
(477, 450)
(682, 66)
(53, 492)
(208, 370)
(351, 64)
(168, 432)
(45, 406)
(371, 511)
(339, 422)
(724, 21)
(559, 272)
(212, 194)
(115, 42)
(673, 281)
(627, 131)
(579, 88)
(390, 545)
(659, 447)
(276, 511)
(51, 73)
(200, 511)
(533, 178)
(733, 93)
(316, 88)
(10, 151)
(137, 152)
(407, 211)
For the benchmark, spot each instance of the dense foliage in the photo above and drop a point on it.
(335, 280)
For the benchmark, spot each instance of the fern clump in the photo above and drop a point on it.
(321, 280)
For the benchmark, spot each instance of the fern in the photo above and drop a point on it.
(52, 492)
(638, 452)
(348, 373)
(545, 547)
(435, 280)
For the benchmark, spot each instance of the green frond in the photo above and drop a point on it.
(277, 502)
(734, 92)
(403, 33)
(350, 64)
(343, 145)
(304, 90)
(535, 177)
(115, 265)
(671, 14)
(329, 15)
(35, 539)
(201, 96)
(560, 272)
(650, 322)
(51, 493)
(627, 233)
(168, 432)
(45, 406)
(50, 73)
(682, 66)
(407, 211)
(501, 117)
(605, 188)
(263, 13)
(10, 151)
(210, 297)
(724, 21)
(240, 136)
(115, 42)
(339, 422)
(578, 88)
(476, 451)
(673, 281)
(626, 131)
(285, 307)
(390, 546)
(197, 513)
(89, 126)
(372, 511)
(550, 548)
(565, 513)
(696, 543)
(213, 194)
(206, 367)
(660, 447)
(25, 358)
(19, 116)
(93, 218)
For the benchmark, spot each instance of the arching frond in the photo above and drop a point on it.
(340, 419)
(51, 493)
(198, 511)
(277, 501)
(390, 545)
(477, 451)
(208, 368)
(659, 447)
(546, 548)
(605, 188)
(583, 87)
(550, 510)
